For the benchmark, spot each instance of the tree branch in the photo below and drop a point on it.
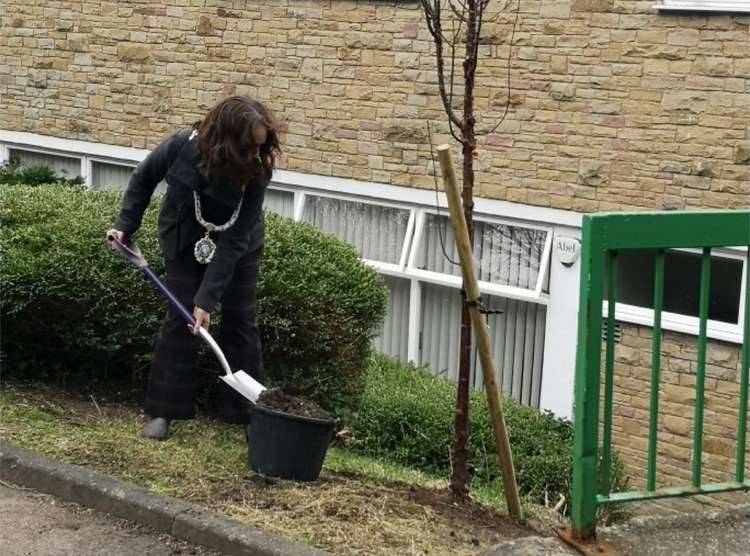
(507, 99)
(456, 32)
(434, 24)
(433, 18)
(460, 15)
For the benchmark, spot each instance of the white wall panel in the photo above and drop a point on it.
(393, 337)
(516, 338)
(279, 201)
(110, 176)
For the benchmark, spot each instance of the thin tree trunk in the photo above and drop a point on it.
(460, 469)
(460, 472)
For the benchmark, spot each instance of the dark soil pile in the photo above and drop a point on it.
(278, 400)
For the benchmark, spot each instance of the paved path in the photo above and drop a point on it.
(35, 524)
(717, 533)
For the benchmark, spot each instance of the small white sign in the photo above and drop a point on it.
(567, 249)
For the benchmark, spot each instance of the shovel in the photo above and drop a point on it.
(239, 381)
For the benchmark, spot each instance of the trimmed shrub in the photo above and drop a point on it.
(70, 303)
(319, 307)
(407, 413)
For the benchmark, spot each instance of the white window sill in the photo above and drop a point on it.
(708, 7)
(726, 332)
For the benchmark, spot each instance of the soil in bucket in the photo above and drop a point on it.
(278, 400)
(289, 437)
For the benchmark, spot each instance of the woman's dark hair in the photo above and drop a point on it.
(226, 140)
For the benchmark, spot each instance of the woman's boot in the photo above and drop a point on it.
(156, 428)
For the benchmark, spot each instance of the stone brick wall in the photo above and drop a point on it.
(612, 106)
(677, 394)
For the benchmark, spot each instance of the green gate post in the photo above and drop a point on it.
(588, 368)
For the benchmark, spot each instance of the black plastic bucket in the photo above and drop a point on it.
(288, 446)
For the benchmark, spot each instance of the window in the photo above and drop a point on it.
(280, 201)
(682, 269)
(681, 283)
(68, 166)
(424, 302)
(516, 339)
(739, 6)
(106, 175)
(378, 232)
(394, 332)
(511, 260)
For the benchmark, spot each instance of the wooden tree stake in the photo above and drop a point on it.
(471, 288)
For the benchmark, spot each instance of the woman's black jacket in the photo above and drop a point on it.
(174, 161)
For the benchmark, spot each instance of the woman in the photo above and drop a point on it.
(211, 235)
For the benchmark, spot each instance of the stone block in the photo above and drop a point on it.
(675, 452)
(77, 42)
(563, 91)
(133, 53)
(63, 25)
(684, 37)
(741, 153)
(312, 70)
(722, 447)
(406, 59)
(589, 6)
(679, 394)
(81, 59)
(593, 173)
(204, 26)
(677, 425)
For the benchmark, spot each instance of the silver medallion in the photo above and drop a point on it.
(204, 249)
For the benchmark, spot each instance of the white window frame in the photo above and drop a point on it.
(513, 292)
(703, 6)
(677, 322)
(422, 198)
(70, 147)
(51, 152)
(104, 160)
(395, 269)
(286, 189)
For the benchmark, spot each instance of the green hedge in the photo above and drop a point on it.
(407, 413)
(70, 303)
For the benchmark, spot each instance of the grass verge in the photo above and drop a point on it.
(360, 505)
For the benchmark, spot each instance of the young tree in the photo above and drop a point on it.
(464, 18)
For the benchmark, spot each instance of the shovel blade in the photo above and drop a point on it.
(244, 384)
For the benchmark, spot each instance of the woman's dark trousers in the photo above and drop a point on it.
(173, 382)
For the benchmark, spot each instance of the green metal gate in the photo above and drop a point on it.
(604, 236)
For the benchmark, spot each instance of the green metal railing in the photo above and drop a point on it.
(604, 236)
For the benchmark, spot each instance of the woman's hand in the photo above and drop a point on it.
(202, 319)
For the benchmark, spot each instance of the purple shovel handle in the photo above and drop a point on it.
(134, 255)
(179, 307)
